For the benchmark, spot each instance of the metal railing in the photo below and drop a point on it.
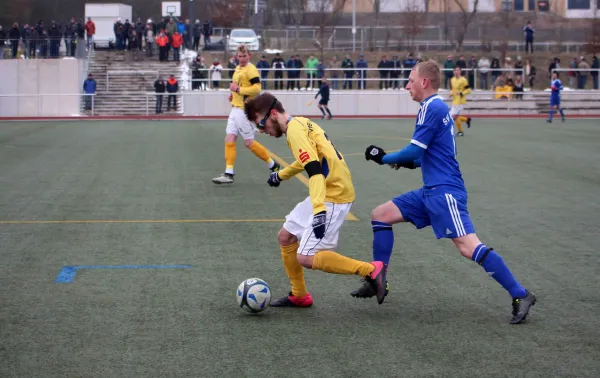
(128, 72)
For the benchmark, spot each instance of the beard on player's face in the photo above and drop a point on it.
(273, 128)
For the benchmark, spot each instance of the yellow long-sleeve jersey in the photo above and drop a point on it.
(248, 79)
(329, 176)
(459, 86)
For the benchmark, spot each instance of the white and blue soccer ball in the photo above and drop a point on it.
(253, 295)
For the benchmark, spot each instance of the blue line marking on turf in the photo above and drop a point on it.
(67, 273)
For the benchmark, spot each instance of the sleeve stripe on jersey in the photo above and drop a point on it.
(255, 80)
(423, 111)
(417, 143)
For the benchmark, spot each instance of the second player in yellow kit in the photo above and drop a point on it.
(460, 90)
(310, 233)
(245, 85)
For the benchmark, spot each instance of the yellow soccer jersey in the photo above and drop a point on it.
(315, 153)
(248, 79)
(460, 85)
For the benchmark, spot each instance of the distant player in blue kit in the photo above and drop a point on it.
(556, 87)
(442, 201)
(324, 101)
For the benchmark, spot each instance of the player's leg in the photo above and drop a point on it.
(318, 254)
(450, 219)
(455, 114)
(328, 111)
(408, 207)
(551, 111)
(560, 110)
(231, 134)
(322, 110)
(465, 119)
(292, 229)
(248, 131)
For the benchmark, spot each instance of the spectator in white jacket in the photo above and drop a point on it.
(215, 73)
(484, 70)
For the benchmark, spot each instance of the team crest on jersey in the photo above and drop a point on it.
(304, 156)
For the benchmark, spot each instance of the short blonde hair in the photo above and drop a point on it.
(242, 49)
(431, 70)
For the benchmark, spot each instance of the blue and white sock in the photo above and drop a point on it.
(495, 267)
(383, 241)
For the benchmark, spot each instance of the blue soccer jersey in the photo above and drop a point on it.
(434, 131)
(556, 87)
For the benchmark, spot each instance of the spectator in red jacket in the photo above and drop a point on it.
(90, 29)
(177, 41)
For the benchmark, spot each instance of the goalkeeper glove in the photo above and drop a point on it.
(318, 224)
(375, 153)
(274, 179)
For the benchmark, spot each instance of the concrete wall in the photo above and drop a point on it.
(347, 103)
(53, 79)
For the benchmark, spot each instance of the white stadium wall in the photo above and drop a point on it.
(39, 87)
(342, 103)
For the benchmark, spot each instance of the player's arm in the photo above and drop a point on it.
(306, 156)
(318, 93)
(254, 88)
(466, 89)
(290, 171)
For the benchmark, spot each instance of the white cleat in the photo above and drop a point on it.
(225, 178)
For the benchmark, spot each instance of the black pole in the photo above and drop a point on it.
(191, 13)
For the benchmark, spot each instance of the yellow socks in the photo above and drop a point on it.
(458, 123)
(332, 262)
(261, 152)
(230, 156)
(293, 269)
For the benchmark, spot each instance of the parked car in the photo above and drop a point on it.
(245, 36)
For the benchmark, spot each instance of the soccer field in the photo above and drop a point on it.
(104, 194)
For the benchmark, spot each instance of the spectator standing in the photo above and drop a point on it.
(529, 31)
(207, 32)
(518, 88)
(176, 42)
(278, 65)
(383, 68)
(90, 31)
(172, 88)
(231, 65)
(311, 72)
(572, 74)
(89, 88)
(291, 73)
(595, 67)
(448, 70)
(408, 64)
(149, 40)
(530, 73)
(159, 89)
(14, 36)
(472, 65)
(320, 70)
(197, 32)
(519, 68)
(348, 68)
(2, 42)
(140, 31)
(584, 66)
(396, 69)
(215, 73)
(495, 70)
(361, 72)
(163, 50)
(333, 73)
(299, 67)
(462, 64)
(484, 69)
(263, 67)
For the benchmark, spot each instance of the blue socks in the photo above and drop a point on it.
(495, 267)
(383, 241)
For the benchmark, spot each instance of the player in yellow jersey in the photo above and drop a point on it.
(245, 85)
(460, 90)
(310, 233)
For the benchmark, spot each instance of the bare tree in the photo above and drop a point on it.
(593, 45)
(412, 18)
(327, 14)
(465, 19)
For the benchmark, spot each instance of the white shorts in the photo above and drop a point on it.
(299, 223)
(238, 124)
(456, 110)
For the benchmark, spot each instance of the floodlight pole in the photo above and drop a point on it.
(353, 25)
(191, 13)
(256, 16)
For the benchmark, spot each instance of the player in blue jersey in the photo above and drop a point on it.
(442, 201)
(556, 87)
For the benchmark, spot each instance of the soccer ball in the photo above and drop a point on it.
(253, 295)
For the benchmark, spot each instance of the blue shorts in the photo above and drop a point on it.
(445, 212)
(554, 101)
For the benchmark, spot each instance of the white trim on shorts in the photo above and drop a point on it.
(299, 223)
(456, 110)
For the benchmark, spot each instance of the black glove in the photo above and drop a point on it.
(274, 179)
(318, 224)
(375, 153)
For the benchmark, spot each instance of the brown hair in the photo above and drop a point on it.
(431, 70)
(260, 104)
(242, 49)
